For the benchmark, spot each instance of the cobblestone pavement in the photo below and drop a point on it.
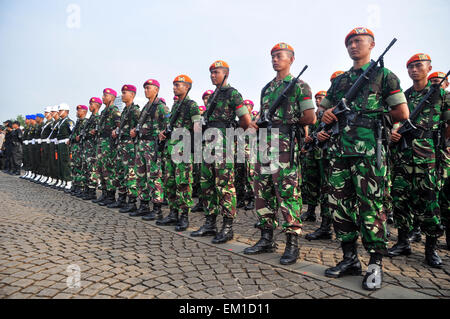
(44, 231)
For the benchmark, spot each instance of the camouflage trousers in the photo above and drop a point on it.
(279, 191)
(149, 172)
(76, 164)
(315, 183)
(415, 192)
(89, 161)
(125, 175)
(178, 184)
(106, 157)
(356, 198)
(218, 190)
(444, 194)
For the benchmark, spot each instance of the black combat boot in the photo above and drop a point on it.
(183, 221)
(431, 256)
(81, 192)
(110, 198)
(120, 203)
(226, 233)
(402, 247)
(374, 275)
(156, 213)
(75, 190)
(198, 207)
(208, 229)
(291, 252)
(142, 211)
(240, 203)
(350, 264)
(90, 194)
(323, 232)
(251, 204)
(169, 220)
(101, 198)
(415, 235)
(309, 215)
(264, 245)
(130, 207)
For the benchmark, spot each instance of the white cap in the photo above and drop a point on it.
(54, 108)
(63, 107)
(48, 109)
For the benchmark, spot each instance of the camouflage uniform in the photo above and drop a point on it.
(280, 190)
(76, 163)
(444, 195)
(355, 180)
(106, 150)
(125, 179)
(178, 176)
(90, 152)
(148, 161)
(217, 178)
(415, 178)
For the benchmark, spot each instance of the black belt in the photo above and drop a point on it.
(106, 134)
(147, 138)
(283, 128)
(218, 124)
(419, 133)
(365, 122)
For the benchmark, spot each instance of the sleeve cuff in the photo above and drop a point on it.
(396, 99)
(196, 118)
(306, 105)
(241, 111)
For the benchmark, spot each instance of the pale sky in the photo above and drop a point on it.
(55, 51)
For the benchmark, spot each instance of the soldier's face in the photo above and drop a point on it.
(282, 60)
(48, 115)
(150, 91)
(419, 70)
(319, 99)
(438, 80)
(127, 96)
(205, 99)
(217, 76)
(108, 98)
(249, 108)
(180, 88)
(360, 46)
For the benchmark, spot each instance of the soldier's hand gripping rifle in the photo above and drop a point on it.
(173, 118)
(84, 130)
(265, 120)
(123, 120)
(342, 111)
(408, 129)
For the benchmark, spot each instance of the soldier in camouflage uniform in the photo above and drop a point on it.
(76, 151)
(416, 178)
(320, 174)
(106, 150)
(125, 179)
(444, 194)
(65, 129)
(179, 178)
(217, 176)
(148, 159)
(278, 189)
(355, 179)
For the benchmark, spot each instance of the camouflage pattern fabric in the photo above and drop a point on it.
(76, 154)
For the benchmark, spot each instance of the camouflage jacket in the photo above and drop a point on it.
(109, 121)
(290, 113)
(77, 130)
(128, 121)
(229, 105)
(155, 121)
(375, 98)
(90, 125)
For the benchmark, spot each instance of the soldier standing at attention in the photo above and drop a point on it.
(148, 161)
(179, 178)
(125, 179)
(217, 178)
(53, 164)
(415, 186)
(278, 189)
(46, 130)
(355, 180)
(64, 131)
(106, 150)
(26, 160)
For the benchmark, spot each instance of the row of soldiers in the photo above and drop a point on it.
(134, 154)
(11, 147)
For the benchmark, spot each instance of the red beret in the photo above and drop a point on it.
(359, 31)
(110, 91)
(335, 75)
(83, 107)
(321, 93)
(202, 108)
(208, 92)
(95, 100)
(247, 102)
(255, 113)
(183, 78)
(439, 75)
(418, 57)
(162, 100)
(129, 87)
(151, 82)
(219, 64)
(282, 47)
